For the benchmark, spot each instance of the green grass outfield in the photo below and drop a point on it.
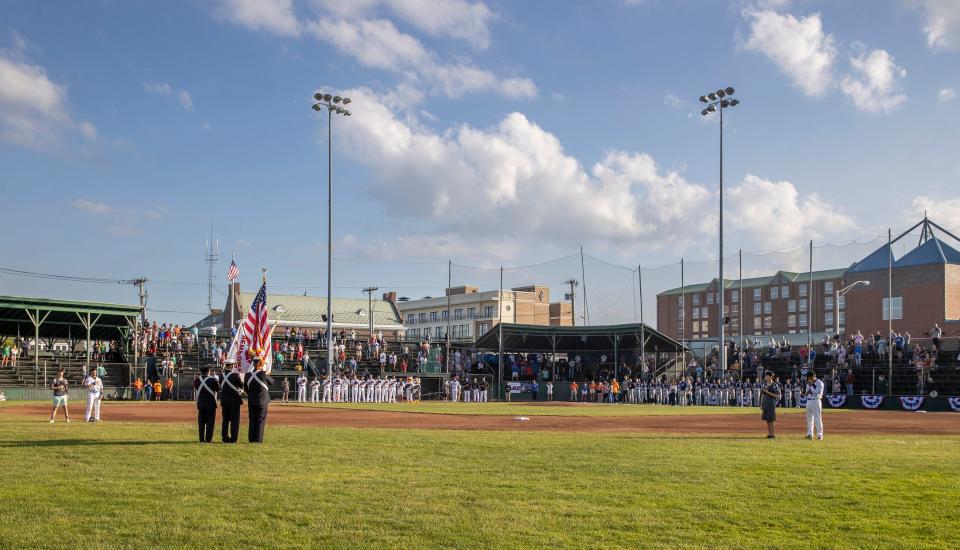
(556, 408)
(118, 485)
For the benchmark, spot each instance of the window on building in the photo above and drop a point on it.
(735, 321)
(411, 319)
(757, 308)
(696, 326)
(703, 326)
(438, 332)
(465, 331)
(843, 319)
(433, 316)
(471, 313)
(785, 291)
(774, 292)
(767, 308)
(444, 314)
(756, 294)
(734, 309)
(803, 290)
(791, 320)
(680, 301)
(828, 303)
(895, 310)
(704, 312)
(488, 311)
(767, 322)
(803, 321)
(423, 318)
(828, 287)
(482, 328)
(696, 313)
(803, 304)
(696, 299)
(792, 306)
(758, 333)
(828, 319)
(842, 302)
(458, 314)
(756, 322)
(709, 298)
(735, 296)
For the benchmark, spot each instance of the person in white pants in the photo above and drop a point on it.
(94, 394)
(326, 390)
(814, 406)
(454, 389)
(314, 390)
(302, 388)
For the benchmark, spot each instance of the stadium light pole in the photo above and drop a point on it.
(333, 104)
(719, 101)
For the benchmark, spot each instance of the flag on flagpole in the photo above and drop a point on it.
(234, 271)
(254, 337)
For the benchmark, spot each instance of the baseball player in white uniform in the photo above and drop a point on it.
(94, 394)
(302, 388)
(326, 390)
(454, 389)
(314, 390)
(814, 406)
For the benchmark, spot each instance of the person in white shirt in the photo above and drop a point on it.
(326, 390)
(814, 406)
(550, 390)
(302, 388)
(94, 395)
(454, 389)
(314, 390)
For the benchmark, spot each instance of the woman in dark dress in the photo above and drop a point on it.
(769, 397)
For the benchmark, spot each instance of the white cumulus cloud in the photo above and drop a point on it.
(275, 16)
(946, 94)
(776, 216)
(798, 47)
(874, 85)
(34, 111)
(166, 90)
(941, 23)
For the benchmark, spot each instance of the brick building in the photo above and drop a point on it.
(926, 290)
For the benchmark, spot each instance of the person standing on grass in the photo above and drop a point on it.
(59, 387)
(549, 390)
(94, 394)
(770, 396)
(314, 390)
(230, 401)
(286, 390)
(206, 390)
(534, 390)
(814, 406)
(573, 390)
(257, 383)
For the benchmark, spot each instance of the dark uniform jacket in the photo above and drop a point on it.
(258, 395)
(207, 399)
(229, 397)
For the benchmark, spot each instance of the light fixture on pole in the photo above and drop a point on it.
(719, 101)
(333, 104)
(836, 305)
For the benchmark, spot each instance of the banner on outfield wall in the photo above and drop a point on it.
(911, 403)
(871, 401)
(520, 387)
(954, 403)
(837, 400)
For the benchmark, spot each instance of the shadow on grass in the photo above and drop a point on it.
(86, 442)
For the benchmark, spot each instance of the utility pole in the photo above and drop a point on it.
(370, 290)
(572, 297)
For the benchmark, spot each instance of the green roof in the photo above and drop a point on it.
(62, 318)
(313, 309)
(754, 282)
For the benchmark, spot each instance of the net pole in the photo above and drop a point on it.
(810, 301)
(643, 337)
(449, 284)
(683, 315)
(890, 306)
(500, 336)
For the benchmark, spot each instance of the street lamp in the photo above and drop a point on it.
(718, 101)
(836, 304)
(333, 104)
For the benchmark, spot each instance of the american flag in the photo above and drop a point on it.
(233, 272)
(254, 337)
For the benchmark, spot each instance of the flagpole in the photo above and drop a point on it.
(233, 260)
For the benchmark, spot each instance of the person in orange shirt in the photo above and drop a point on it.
(593, 390)
(573, 390)
(137, 389)
(614, 390)
(157, 390)
(169, 385)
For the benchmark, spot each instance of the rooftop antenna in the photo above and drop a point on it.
(211, 256)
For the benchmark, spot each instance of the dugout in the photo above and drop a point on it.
(616, 341)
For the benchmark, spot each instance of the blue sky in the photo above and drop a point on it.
(488, 133)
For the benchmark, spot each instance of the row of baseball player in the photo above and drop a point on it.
(729, 392)
(353, 389)
(469, 391)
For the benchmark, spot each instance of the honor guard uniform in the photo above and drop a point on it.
(257, 384)
(230, 400)
(206, 389)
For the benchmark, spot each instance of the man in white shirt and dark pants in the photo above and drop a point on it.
(94, 392)
(814, 406)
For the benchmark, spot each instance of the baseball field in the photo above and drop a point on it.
(436, 475)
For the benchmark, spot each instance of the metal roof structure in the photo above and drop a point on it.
(49, 318)
(930, 250)
(543, 339)
(311, 311)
